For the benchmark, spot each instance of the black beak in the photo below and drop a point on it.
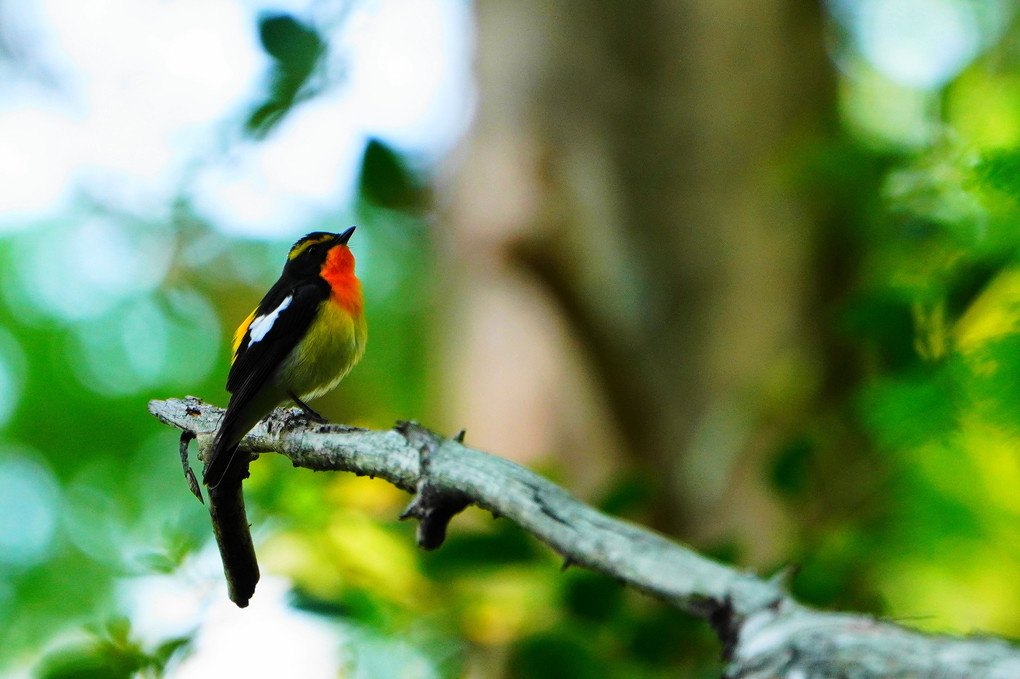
(344, 237)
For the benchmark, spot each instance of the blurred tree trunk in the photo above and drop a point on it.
(621, 230)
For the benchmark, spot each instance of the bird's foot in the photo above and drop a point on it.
(307, 410)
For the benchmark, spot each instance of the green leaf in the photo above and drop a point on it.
(169, 648)
(882, 324)
(387, 181)
(664, 637)
(355, 603)
(1000, 170)
(591, 596)
(466, 552)
(296, 49)
(791, 467)
(630, 495)
(909, 412)
(92, 661)
(554, 655)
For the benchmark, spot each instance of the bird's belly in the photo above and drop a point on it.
(325, 355)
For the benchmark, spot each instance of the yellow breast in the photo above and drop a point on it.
(333, 344)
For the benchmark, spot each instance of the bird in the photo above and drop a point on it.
(301, 340)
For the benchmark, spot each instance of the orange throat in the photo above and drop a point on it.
(338, 271)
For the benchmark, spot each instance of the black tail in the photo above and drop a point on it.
(233, 537)
(223, 475)
(223, 451)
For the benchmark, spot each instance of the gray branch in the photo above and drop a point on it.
(764, 632)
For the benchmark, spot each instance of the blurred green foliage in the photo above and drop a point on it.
(388, 182)
(109, 653)
(295, 49)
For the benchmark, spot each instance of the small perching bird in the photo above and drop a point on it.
(303, 338)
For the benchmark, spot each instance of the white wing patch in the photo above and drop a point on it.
(261, 325)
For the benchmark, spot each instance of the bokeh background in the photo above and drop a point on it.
(747, 273)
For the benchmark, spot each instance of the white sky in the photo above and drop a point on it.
(146, 98)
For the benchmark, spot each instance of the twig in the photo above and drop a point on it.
(765, 633)
(187, 436)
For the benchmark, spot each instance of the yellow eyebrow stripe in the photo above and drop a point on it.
(240, 333)
(303, 245)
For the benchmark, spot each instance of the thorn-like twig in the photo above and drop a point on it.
(433, 506)
(783, 578)
(186, 437)
(726, 623)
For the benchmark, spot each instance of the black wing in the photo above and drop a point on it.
(281, 320)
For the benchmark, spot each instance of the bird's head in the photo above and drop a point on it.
(312, 254)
